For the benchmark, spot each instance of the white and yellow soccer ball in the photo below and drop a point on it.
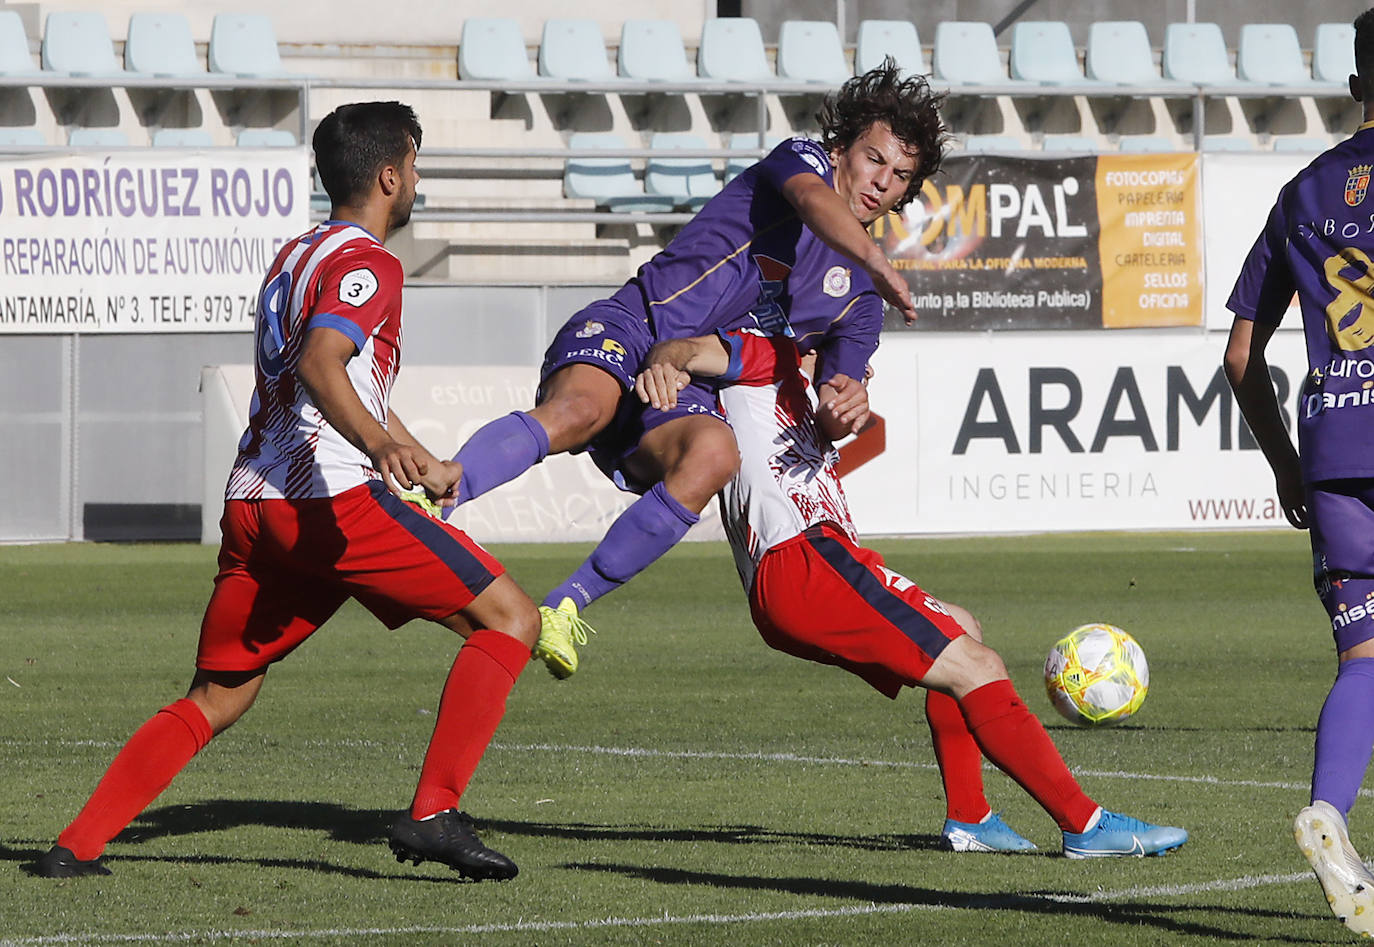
(1096, 675)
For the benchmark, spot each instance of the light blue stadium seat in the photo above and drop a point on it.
(1304, 144)
(608, 181)
(1145, 143)
(1119, 51)
(810, 51)
(1043, 51)
(731, 50)
(746, 142)
(1072, 144)
(985, 144)
(896, 38)
(78, 43)
(1333, 53)
(244, 44)
(182, 138)
(1269, 53)
(160, 44)
(690, 182)
(1227, 143)
(572, 49)
(652, 50)
(493, 48)
(265, 138)
(1196, 53)
(966, 54)
(12, 136)
(15, 58)
(98, 138)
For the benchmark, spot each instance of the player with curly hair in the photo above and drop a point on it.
(783, 248)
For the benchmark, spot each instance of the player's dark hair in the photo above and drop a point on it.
(1364, 51)
(354, 142)
(910, 107)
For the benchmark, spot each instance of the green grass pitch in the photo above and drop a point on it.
(689, 785)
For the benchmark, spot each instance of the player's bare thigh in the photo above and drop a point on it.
(502, 606)
(694, 456)
(578, 401)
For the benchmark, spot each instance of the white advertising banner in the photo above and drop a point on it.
(564, 499)
(1004, 432)
(142, 240)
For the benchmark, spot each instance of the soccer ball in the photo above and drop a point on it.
(1096, 675)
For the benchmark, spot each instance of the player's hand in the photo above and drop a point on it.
(1292, 495)
(894, 289)
(847, 402)
(658, 385)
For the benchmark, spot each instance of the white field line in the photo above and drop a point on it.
(534, 927)
(650, 753)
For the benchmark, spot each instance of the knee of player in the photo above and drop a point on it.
(966, 620)
(522, 621)
(987, 662)
(713, 459)
(577, 415)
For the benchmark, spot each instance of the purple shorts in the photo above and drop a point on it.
(1341, 521)
(614, 339)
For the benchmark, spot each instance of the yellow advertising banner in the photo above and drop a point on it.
(1149, 240)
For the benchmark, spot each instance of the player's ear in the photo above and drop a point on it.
(390, 179)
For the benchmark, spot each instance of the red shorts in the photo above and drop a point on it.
(285, 566)
(821, 597)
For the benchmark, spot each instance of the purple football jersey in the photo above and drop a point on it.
(747, 261)
(1318, 242)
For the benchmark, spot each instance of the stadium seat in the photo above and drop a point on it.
(1119, 51)
(878, 39)
(985, 144)
(1333, 53)
(652, 50)
(244, 44)
(810, 51)
(610, 182)
(1269, 53)
(1043, 51)
(160, 44)
(732, 50)
(493, 48)
(98, 138)
(573, 50)
(1196, 53)
(78, 44)
(966, 54)
(15, 58)
(1139, 143)
(1070, 144)
(1301, 143)
(12, 136)
(182, 138)
(746, 142)
(265, 138)
(1227, 143)
(689, 182)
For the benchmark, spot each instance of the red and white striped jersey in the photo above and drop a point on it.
(341, 277)
(786, 480)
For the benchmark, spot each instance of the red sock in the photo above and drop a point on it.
(961, 762)
(141, 770)
(473, 703)
(1017, 744)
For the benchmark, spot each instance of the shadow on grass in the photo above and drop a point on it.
(1162, 917)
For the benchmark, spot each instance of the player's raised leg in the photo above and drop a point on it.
(687, 459)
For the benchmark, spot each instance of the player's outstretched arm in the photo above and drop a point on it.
(1247, 370)
(668, 366)
(323, 370)
(828, 217)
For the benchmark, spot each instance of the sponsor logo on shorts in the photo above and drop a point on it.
(611, 345)
(600, 355)
(836, 282)
(591, 328)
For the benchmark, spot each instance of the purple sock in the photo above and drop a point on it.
(650, 527)
(499, 451)
(1344, 738)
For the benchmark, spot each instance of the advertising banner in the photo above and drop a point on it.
(998, 242)
(142, 241)
(995, 433)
